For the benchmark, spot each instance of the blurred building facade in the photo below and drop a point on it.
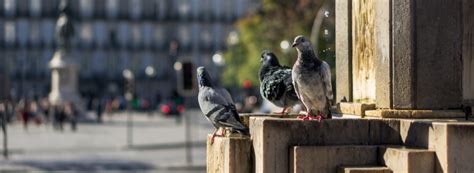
(111, 36)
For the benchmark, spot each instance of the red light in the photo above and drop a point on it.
(247, 84)
(165, 108)
(180, 108)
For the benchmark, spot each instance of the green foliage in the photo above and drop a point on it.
(274, 22)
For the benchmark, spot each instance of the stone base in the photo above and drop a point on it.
(354, 109)
(431, 114)
(401, 159)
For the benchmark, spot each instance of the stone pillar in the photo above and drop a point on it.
(417, 54)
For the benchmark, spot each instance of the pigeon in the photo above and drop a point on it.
(217, 105)
(312, 81)
(276, 84)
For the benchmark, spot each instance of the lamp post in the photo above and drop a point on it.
(129, 87)
(150, 73)
(218, 60)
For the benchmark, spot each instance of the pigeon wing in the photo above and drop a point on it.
(326, 79)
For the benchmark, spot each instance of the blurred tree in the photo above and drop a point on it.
(274, 22)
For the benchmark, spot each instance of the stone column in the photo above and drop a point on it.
(417, 56)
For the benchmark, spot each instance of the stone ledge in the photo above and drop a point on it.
(375, 169)
(418, 114)
(325, 159)
(357, 109)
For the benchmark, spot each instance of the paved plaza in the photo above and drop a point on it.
(158, 146)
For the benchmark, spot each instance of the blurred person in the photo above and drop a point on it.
(98, 109)
(24, 112)
(45, 108)
(59, 117)
(72, 114)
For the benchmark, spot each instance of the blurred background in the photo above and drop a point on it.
(135, 63)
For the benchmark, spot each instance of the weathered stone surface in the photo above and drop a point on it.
(349, 169)
(392, 113)
(404, 160)
(468, 51)
(382, 54)
(229, 155)
(326, 159)
(403, 52)
(273, 136)
(343, 50)
(438, 54)
(354, 108)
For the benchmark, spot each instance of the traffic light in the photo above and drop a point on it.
(186, 78)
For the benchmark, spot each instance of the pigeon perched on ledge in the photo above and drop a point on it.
(275, 82)
(217, 105)
(312, 81)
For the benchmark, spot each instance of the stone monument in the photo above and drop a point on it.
(62, 65)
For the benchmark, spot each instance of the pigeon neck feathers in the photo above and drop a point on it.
(204, 80)
(308, 56)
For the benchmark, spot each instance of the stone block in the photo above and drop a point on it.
(343, 50)
(229, 155)
(326, 159)
(272, 137)
(405, 160)
(354, 108)
(348, 169)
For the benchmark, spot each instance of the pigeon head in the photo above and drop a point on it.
(203, 77)
(269, 58)
(301, 43)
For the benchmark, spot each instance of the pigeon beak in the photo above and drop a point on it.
(294, 44)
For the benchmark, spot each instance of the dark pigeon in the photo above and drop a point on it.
(276, 84)
(312, 81)
(217, 105)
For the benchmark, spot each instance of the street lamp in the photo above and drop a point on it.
(285, 45)
(218, 59)
(150, 72)
(129, 82)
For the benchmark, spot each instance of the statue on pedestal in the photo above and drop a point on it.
(62, 65)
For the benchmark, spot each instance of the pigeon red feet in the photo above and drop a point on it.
(308, 116)
(215, 134)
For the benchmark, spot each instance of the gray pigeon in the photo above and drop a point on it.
(275, 82)
(217, 105)
(312, 81)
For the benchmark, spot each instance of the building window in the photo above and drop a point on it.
(136, 35)
(160, 9)
(10, 7)
(47, 32)
(86, 34)
(10, 33)
(100, 33)
(184, 7)
(135, 8)
(86, 8)
(34, 33)
(22, 28)
(112, 8)
(35, 8)
(123, 33)
(158, 36)
(147, 34)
